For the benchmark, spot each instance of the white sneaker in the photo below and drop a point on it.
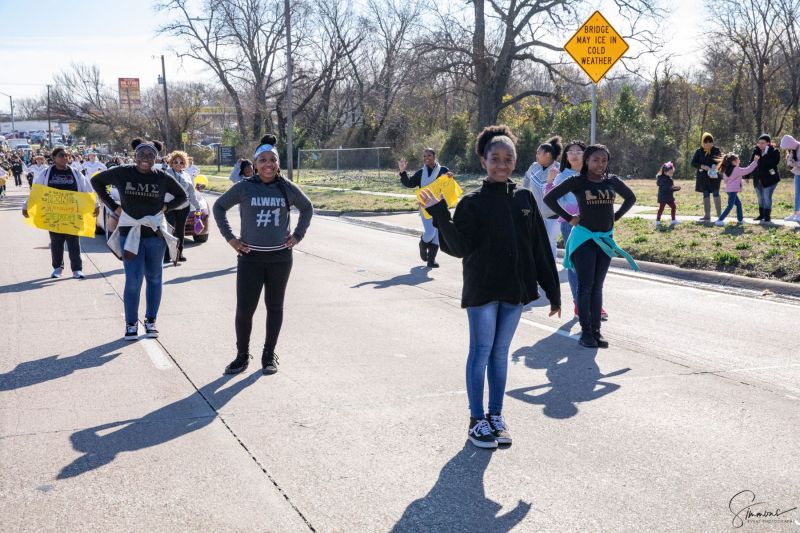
(792, 218)
(658, 223)
(675, 222)
(57, 273)
(78, 275)
(719, 223)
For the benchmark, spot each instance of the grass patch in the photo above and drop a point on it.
(748, 250)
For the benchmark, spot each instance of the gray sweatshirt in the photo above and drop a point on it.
(264, 212)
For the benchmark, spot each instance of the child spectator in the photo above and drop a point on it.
(666, 192)
(732, 173)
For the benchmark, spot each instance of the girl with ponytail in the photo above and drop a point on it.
(264, 248)
(499, 233)
(541, 174)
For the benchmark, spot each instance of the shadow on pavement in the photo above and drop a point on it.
(100, 445)
(458, 502)
(544, 302)
(416, 276)
(54, 367)
(40, 283)
(204, 275)
(573, 373)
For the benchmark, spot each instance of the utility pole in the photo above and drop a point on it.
(11, 103)
(49, 127)
(289, 122)
(166, 103)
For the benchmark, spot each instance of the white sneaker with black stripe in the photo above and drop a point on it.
(150, 329)
(131, 331)
(480, 433)
(499, 428)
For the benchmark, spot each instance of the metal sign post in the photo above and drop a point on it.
(596, 47)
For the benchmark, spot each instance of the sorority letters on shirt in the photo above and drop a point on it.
(600, 197)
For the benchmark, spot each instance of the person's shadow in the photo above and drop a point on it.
(458, 502)
(572, 371)
(416, 276)
(53, 367)
(100, 445)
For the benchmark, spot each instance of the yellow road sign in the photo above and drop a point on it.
(596, 46)
(185, 137)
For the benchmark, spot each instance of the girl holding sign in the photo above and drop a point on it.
(500, 235)
(62, 176)
(264, 248)
(431, 169)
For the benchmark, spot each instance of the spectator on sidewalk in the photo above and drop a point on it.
(542, 172)
(666, 192)
(243, 169)
(707, 178)
(732, 173)
(765, 176)
(792, 148)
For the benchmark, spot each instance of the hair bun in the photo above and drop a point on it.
(490, 132)
(136, 142)
(269, 139)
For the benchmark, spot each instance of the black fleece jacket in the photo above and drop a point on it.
(499, 233)
(766, 173)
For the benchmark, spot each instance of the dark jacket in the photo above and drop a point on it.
(499, 233)
(416, 179)
(665, 192)
(766, 173)
(702, 182)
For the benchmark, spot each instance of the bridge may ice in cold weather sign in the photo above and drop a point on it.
(596, 46)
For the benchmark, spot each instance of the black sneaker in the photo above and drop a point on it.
(239, 364)
(150, 329)
(499, 428)
(423, 250)
(131, 331)
(601, 341)
(182, 259)
(480, 433)
(269, 363)
(587, 340)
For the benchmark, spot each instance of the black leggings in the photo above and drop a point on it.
(253, 273)
(18, 178)
(57, 241)
(591, 266)
(177, 220)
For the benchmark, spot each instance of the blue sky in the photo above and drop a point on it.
(37, 39)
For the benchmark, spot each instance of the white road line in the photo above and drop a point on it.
(550, 329)
(156, 354)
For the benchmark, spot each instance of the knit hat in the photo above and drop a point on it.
(789, 143)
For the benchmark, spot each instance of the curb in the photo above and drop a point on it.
(721, 279)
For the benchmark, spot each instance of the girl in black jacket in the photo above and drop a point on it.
(500, 235)
(765, 176)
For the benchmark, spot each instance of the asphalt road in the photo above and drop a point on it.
(364, 426)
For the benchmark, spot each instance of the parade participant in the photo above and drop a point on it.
(571, 159)
(34, 170)
(666, 192)
(707, 178)
(177, 217)
(264, 249)
(591, 243)
(63, 177)
(499, 233)
(142, 232)
(765, 176)
(241, 170)
(3, 177)
(191, 169)
(542, 172)
(431, 169)
(732, 173)
(792, 148)
(17, 168)
(92, 165)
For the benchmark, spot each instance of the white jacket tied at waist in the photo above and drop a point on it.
(154, 222)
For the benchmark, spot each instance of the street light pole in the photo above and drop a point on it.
(289, 122)
(11, 103)
(49, 127)
(166, 102)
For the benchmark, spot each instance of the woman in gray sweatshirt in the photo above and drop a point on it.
(264, 248)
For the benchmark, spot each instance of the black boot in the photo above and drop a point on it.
(760, 214)
(432, 251)
(601, 341)
(269, 362)
(423, 250)
(239, 364)
(767, 215)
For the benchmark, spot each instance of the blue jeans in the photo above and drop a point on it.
(733, 200)
(147, 265)
(797, 192)
(764, 195)
(491, 328)
(572, 277)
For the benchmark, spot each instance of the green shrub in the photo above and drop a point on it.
(724, 258)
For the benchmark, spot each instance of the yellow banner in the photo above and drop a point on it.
(446, 186)
(62, 211)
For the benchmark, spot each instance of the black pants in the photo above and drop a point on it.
(257, 270)
(177, 220)
(57, 241)
(17, 178)
(30, 179)
(591, 266)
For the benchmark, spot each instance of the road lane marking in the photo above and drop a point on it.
(550, 329)
(156, 354)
